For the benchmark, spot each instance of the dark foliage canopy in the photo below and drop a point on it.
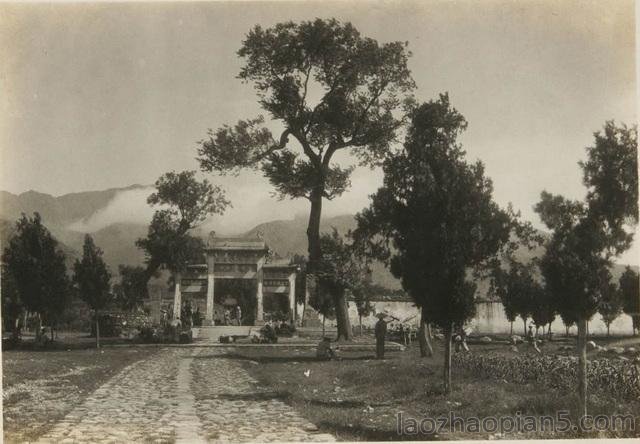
(132, 288)
(630, 291)
(92, 277)
(187, 202)
(586, 235)
(434, 220)
(35, 271)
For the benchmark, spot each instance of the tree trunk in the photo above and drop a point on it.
(342, 317)
(566, 330)
(360, 322)
(525, 326)
(511, 328)
(323, 318)
(549, 331)
(587, 329)
(97, 330)
(447, 359)
(313, 230)
(39, 328)
(315, 255)
(608, 326)
(582, 365)
(426, 350)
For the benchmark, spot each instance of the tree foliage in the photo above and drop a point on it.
(186, 203)
(132, 288)
(340, 270)
(92, 276)
(189, 201)
(586, 235)
(168, 245)
(520, 293)
(630, 294)
(610, 306)
(434, 221)
(329, 89)
(435, 209)
(35, 271)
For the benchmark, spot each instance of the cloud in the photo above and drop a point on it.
(126, 206)
(252, 200)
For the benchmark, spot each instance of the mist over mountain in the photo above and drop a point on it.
(117, 217)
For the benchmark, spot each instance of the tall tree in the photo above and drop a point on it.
(36, 265)
(586, 235)
(330, 90)
(436, 210)
(132, 288)
(630, 294)
(93, 280)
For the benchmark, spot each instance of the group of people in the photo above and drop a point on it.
(234, 318)
(461, 333)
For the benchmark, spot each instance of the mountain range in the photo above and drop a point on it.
(66, 217)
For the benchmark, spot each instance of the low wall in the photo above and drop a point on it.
(489, 319)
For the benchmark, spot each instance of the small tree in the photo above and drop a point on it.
(36, 266)
(610, 306)
(516, 288)
(437, 211)
(340, 270)
(11, 305)
(132, 288)
(92, 279)
(630, 295)
(543, 309)
(330, 90)
(361, 297)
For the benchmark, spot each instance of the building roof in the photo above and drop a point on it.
(236, 243)
(280, 263)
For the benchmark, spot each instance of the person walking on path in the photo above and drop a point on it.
(381, 332)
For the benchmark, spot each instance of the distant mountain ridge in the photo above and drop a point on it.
(285, 237)
(61, 210)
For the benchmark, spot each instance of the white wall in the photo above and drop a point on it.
(489, 318)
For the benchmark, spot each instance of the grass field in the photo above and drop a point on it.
(359, 397)
(41, 387)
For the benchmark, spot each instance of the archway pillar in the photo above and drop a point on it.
(259, 296)
(210, 289)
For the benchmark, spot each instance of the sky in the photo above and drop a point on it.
(96, 96)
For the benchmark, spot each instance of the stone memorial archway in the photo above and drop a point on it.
(237, 258)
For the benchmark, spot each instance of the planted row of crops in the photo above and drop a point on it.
(616, 378)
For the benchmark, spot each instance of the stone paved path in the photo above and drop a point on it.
(185, 395)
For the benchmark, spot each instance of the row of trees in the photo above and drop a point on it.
(524, 293)
(35, 279)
